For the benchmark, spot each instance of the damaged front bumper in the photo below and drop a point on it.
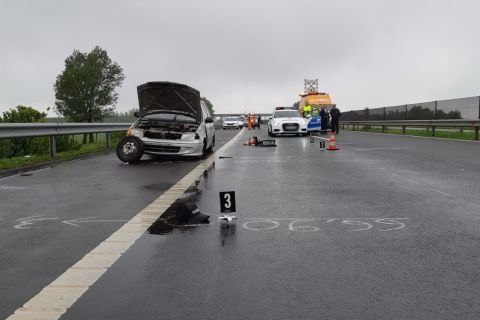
(192, 148)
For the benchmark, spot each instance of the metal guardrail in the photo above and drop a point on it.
(51, 130)
(431, 124)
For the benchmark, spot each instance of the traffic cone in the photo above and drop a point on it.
(332, 144)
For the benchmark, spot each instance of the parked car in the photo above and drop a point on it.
(232, 123)
(287, 122)
(172, 121)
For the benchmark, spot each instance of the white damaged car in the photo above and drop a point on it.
(287, 121)
(173, 121)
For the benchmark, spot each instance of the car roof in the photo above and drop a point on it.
(280, 111)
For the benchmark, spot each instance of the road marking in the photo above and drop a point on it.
(264, 224)
(25, 223)
(55, 299)
(441, 192)
(379, 148)
(3, 187)
(75, 222)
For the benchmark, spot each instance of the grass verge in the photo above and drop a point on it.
(18, 162)
(447, 134)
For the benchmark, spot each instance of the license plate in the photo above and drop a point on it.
(290, 128)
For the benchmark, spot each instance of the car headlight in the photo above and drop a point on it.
(188, 136)
(135, 132)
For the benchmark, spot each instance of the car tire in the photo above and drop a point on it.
(130, 149)
(209, 150)
(204, 150)
(269, 132)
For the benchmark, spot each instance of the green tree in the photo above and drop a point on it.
(296, 105)
(85, 90)
(209, 104)
(23, 146)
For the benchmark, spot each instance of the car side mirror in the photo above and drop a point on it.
(136, 114)
(209, 120)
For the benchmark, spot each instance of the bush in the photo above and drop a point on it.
(67, 143)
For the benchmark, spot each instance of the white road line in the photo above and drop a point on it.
(54, 300)
(413, 181)
(3, 187)
(441, 192)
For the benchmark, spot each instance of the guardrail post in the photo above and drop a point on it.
(404, 129)
(476, 133)
(478, 108)
(461, 129)
(383, 129)
(433, 131)
(107, 139)
(52, 146)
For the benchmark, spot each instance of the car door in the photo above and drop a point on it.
(210, 127)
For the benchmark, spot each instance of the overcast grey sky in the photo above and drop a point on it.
(249, 55)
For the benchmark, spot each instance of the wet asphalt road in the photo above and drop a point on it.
(52, 218)
(388, 227)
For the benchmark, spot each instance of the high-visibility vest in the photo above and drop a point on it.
(307, 110)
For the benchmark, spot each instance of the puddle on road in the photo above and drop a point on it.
(227, 233)
(157, 186)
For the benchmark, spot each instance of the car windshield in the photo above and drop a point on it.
(232, 119)
(287, 114)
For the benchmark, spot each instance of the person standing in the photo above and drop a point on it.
(307, 111)
(335, 114)
(324, 117)
(259, 121)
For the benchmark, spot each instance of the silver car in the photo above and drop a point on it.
(172, 121)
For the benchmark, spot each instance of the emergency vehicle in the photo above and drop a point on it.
(310, 104)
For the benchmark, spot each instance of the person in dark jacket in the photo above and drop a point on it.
(324, 117)
(259, 120)
(335, 114)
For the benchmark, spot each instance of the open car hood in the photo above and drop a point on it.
(169, 97)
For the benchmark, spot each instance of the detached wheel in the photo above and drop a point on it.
(130, 149)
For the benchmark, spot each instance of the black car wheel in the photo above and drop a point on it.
(212, 145)
(130, 149)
